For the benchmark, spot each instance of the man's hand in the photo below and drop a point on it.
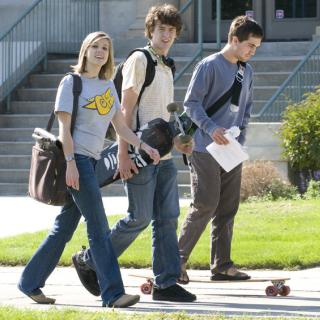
(218, 136)
(126, 168)
(183, 147)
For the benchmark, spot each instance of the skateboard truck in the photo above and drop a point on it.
(183, 137)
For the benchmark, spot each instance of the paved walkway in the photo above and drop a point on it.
(230, 299)
(22, 214)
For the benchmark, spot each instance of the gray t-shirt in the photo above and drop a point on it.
(98, 102)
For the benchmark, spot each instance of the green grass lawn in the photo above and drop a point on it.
(276, 235)
(9, 313)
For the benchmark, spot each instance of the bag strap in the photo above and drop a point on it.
(150, 73)
(233, 92)
(76, 90)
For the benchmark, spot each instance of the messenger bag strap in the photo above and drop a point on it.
(233, 92)
(76, 90)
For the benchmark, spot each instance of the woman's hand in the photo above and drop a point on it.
(152, 153)
(72, 175)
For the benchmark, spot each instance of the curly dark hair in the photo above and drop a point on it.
(166, 14)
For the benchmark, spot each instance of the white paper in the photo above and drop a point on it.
(228, 155)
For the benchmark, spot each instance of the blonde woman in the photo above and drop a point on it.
(98, 106)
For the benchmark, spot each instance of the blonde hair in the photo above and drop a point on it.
(106, 71)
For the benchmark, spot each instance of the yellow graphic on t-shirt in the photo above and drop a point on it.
(101, 103)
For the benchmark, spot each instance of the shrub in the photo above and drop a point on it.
(300, 133)
(313, 190)
(260, 179)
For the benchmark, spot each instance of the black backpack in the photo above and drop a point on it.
(150, 73)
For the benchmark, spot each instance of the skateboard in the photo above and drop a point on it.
(278, 286)
(157, 133)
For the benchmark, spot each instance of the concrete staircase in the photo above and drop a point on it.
(34, 99)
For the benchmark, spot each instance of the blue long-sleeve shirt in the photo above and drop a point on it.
(212, 77)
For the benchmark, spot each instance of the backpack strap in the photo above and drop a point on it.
(150, 71)
(76, 90)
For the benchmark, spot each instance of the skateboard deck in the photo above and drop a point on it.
(157, 133)
(278, 286)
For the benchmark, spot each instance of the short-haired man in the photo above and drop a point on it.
(216, 193)
(152, 191)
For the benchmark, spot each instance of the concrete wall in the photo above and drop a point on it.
(116, 16)
(10, 11)
(263, 144)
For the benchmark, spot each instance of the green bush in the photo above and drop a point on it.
(313, 191)
(300, 133)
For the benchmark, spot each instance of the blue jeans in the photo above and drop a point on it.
(88, 202)
(153, 197)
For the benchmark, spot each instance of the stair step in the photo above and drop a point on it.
(43, 80)
(14, 175)
(25, 120)
(15, 161)
(31, 107)
(259, 92)
(19, 134)
(13, 189)
(272, 64)
(19, 189)
(260, 78)
(15, 147)
(37, 94)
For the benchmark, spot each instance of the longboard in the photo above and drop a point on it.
(278, 286)
(157, 133)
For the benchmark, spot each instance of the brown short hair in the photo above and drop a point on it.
(166, 14)
(244, 27)
(106, 71)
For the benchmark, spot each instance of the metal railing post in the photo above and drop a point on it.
(200, 27)
(200, 37)
(218, 24)
(45, 60)
(8, 104)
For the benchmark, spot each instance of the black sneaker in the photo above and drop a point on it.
(87, 276)
(173, 293)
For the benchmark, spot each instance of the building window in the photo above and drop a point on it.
(231, 9)
(297, 8)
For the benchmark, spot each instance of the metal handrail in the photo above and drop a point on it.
(200, 38)
(304, 78)
(47, 26)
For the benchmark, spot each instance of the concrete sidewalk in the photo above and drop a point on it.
(23, 214)
(231, 299)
